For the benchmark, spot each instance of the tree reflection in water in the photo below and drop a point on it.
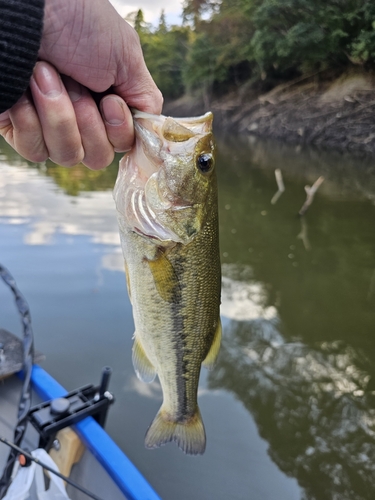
(314, 406)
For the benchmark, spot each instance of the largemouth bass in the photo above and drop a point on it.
(166, 200)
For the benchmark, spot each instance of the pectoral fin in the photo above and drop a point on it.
(211, 357)
(165, 278)
(143, 367)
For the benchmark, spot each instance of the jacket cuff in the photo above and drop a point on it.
(21, 26)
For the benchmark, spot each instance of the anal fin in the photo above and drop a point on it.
(143, 367)
(212, 355)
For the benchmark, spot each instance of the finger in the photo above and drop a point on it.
(28, 138)
(56, 115)
(21, 128)
(98, 149)
(118, 122)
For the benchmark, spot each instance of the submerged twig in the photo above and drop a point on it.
(280, 186)
(310, 193)
(303, 235)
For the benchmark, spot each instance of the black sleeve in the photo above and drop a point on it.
(21, 24)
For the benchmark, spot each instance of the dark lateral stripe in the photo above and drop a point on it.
(21, 24)
(181, 367)
(180, 347)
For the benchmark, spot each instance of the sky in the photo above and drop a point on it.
(151, 9)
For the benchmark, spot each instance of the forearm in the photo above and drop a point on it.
(21, 24)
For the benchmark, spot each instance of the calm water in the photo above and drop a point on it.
(290, 409)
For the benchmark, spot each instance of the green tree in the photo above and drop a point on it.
(217, 55)
(224, 42)
(137, 20)
(305, 35)
(362, 46)
(165, 54)
(163, 29)
(192, 10)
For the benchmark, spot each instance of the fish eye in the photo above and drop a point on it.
(205, 162)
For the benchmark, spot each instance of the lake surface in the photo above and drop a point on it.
(290, 408)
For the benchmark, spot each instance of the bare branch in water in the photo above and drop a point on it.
(280, 186)
(310, 193)
(303, 235)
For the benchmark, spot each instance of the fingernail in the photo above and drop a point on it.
(74, 89)
(122, 150)
(47, 79)
(113, 111)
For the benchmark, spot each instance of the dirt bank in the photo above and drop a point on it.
(335, 113)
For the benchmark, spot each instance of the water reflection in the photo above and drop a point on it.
(298, 315)
(313, 405)
(24, 200)
(298, 346)
(73, 181)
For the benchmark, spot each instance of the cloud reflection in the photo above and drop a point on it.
(152, 390)
(242, 300)
(27, 197)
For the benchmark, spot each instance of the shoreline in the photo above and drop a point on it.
(333, 113)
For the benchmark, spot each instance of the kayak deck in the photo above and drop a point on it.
(88, 472)
(103, 468)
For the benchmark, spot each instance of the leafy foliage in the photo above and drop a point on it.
(165, 51)
(306, 35)
(221, 43)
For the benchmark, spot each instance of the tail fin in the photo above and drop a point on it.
(190, 435)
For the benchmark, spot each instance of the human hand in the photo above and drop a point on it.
(57, 117)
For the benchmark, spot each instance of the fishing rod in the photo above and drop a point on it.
(47, 467)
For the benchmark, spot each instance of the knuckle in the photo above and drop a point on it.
(67, 158)
(99, 161)
(62, 123)
(37, 156)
